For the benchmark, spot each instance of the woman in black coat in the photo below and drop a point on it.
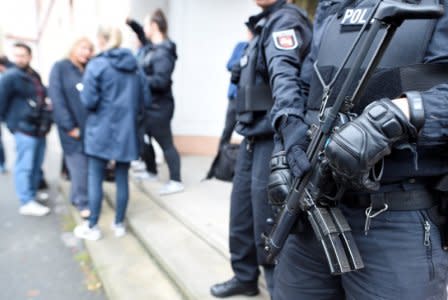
(158, 57)
(65, 85)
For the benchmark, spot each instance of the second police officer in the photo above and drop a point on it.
(269, 73)
(402, 248)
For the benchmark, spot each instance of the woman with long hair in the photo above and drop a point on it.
(114, 92)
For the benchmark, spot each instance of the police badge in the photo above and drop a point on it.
(285, 40)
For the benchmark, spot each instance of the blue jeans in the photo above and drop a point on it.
(30, 155)
(97, 167)
(398, 262)
(77, 167)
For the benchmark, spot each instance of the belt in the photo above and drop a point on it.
(400, 200)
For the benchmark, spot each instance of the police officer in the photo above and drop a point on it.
(269, 73)
(402, 246)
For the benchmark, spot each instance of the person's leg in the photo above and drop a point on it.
(164, 137)
(96, 169)
(402, 254)
(243, 252)
(39, 156)
(148, 155)
(303, 273)
(122, 194)
(25, 153)
(229, 124)
(78, 168)
(261, 210)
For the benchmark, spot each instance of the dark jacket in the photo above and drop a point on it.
(275, 66)
(22, 102)
(115, 90)
(433, 137)
(68, 112)
(158, 64)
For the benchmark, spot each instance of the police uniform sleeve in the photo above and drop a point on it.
(285, 44)
(435, 104)
(435, 100)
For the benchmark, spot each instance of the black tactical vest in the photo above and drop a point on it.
(406, 49)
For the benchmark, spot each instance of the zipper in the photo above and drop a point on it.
(428, 245)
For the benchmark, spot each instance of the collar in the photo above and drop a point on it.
(257, 22)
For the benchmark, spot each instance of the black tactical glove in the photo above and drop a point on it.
(295, 139)
(357, 146)
(280, 180)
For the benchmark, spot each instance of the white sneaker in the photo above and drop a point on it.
(171, 187)
(83, 231)
(119, 229)
(144, 175)
(138, 165)
(33, 208)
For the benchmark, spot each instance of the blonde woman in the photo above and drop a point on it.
(69, 114)
(115, 90)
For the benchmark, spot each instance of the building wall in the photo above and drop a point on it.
(205, 32)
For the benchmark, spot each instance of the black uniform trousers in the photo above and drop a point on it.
(402, 254)
(249, 210)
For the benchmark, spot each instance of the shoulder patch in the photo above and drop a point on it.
(285, 40)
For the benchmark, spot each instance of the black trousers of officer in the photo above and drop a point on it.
(249, 210)
(402, 254)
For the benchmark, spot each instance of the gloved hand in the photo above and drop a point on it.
(280, 180)
(358, 145)
(295, 140)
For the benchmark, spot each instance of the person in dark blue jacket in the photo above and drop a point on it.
(27, 113)
(158, 60)
(69, 114)
(114, 92)
(398, 217)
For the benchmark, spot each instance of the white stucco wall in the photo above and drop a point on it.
(205, 32)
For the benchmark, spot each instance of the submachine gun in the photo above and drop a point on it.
(307, 195)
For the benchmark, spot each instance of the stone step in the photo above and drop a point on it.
(123, 265)
(187, 253)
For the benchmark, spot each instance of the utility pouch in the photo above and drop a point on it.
(254, 98)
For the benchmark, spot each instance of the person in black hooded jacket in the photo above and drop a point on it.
(158, 57)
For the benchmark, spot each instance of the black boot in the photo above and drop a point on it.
(234, 287)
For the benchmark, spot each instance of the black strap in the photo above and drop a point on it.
(401, 200)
